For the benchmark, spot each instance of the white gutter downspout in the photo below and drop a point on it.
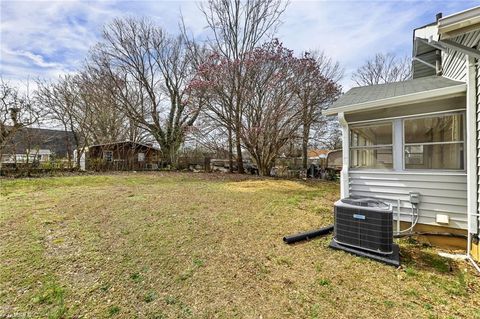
(472, 174)
(344, 178)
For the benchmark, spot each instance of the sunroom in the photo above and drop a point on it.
(409, 137)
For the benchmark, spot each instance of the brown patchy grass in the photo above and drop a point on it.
(202, 246)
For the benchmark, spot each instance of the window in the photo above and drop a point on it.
(141, 157)
(108, 156)
(434, 142)
(371, 146)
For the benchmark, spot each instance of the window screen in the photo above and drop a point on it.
(371, 146)
(434, 142)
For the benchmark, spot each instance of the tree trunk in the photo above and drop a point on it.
(241, 170)
(305, 138)
(230, 149)
(170, 153)
(264, 166)
(264, 171)
(69, 146)
(238, 123)
(238, 143)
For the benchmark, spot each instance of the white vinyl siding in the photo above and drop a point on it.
(453, 62)
(441, 193)
(454, 67)
(478, 137)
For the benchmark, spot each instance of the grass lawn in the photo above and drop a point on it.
(202, 246)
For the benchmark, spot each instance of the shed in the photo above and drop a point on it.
(125, 155)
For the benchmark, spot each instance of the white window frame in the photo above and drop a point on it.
(105, 156)
(404, 145)
(379, 146)
(143, 157)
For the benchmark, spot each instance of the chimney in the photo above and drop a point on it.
(438, 16)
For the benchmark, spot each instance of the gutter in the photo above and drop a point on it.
(459, 23)
(436, 94)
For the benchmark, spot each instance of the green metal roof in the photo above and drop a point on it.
(365, 94)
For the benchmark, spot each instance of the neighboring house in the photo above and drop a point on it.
(38, 145)
(421, 135)
(317, 154)
(124, 155)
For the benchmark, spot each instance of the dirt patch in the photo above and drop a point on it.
(262, 185)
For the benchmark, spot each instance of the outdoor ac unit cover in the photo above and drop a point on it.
(364, 223)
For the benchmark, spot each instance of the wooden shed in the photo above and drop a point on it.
(123, 156)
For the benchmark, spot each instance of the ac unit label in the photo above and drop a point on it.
(358, 216)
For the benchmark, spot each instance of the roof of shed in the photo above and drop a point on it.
(125, 142)
(366, 94)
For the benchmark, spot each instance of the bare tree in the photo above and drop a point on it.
(383, 68)
(206, 134)
(60, 102)
(16, 111)
(84, 104)
(211, 82)
(106, 122)
(238, 27)
(316, 88)
(151, 72)
(327, 134)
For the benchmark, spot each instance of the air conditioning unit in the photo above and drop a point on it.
(364, 226)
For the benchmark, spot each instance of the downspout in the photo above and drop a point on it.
(344, 178)
(472, 174)
(438, 53)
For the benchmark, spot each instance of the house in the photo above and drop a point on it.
(317, 154)
(422, 135)
(38, 145)
(125, 155)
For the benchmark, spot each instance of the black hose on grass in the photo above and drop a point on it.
(308, 235)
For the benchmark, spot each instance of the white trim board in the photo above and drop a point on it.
(459, 22)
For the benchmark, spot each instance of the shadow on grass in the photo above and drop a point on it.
(423, 257)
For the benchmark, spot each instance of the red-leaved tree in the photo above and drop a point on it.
(270, 116)
(282, 95)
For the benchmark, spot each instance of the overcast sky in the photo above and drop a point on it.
(48, 38)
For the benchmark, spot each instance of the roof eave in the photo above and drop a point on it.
(418, 97)
(459, 23)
